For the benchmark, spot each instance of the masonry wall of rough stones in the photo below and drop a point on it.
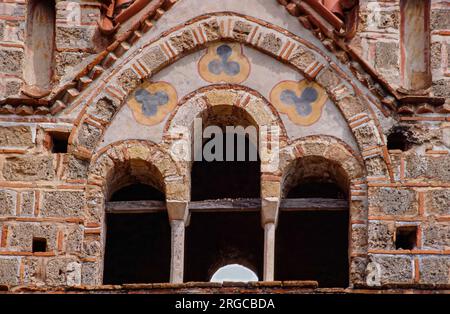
(379, 34)
(46, 195)
(76, 38)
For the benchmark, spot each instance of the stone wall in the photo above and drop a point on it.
(76, 38)
(59, 197)
(379, 34)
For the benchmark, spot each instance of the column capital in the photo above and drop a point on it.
(269, 210)
(178, 210)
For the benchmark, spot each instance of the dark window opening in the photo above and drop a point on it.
(316, 189)
(217, 239)
(227, 179)
(313, 246)
(138, 191)
(137, 248)
(39, 245)
(406, 238)
(59, 142)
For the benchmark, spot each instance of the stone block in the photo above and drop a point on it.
(436, 55)
(183, 42)
(436, 235)
(438, 202)
(392, 270)
(21, 235)
(62, 271)
(92, 247)
(367, 135)
(328, 79)
(386, 55)
(77, 168)
(376, 167)
(359, 236)
(11, 87)
(74, 37)
(129, 80)
(440, 19)
(11, 62)
(74, 238)
(441, 88)
(271, 43)
(301, 58)
(381, 235)
(212, 30)
(27, 203)
(9, 271)
(16, 136)
(90, 274)
(33, 270)
(392, 201)
(358, 209)
(421, 167)
(7, 202)
(389, 19)
(68, 60)
(435, 270)
(29, 168)
(241, 30)
(88, 136)
(357, 271)
(154, 59)
(63, 204)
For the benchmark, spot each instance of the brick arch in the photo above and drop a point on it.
(339, 154)
(143, 157)
(259, 110)
(196, 34)
(330, 149)
(179, 127)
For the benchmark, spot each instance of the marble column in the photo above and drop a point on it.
(178, 216)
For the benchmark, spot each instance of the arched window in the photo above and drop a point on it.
(138, 240)
(40, 44)
(312, 243)
(222, 230)
(234, 273)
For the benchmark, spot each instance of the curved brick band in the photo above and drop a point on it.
(196, 34)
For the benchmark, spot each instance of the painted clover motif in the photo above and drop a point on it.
(301, 101)
(151, 102)
(224, 62)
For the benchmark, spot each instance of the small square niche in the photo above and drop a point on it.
(406, 238)
(59, 142)
(39, 245)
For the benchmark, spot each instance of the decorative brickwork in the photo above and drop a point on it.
(127, 85)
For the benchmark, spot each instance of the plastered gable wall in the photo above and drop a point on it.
(264, 75)
(51, 195)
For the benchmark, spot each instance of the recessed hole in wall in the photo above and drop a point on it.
(39, 245)
(406, 237)
(399, 139)
(59, 142)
